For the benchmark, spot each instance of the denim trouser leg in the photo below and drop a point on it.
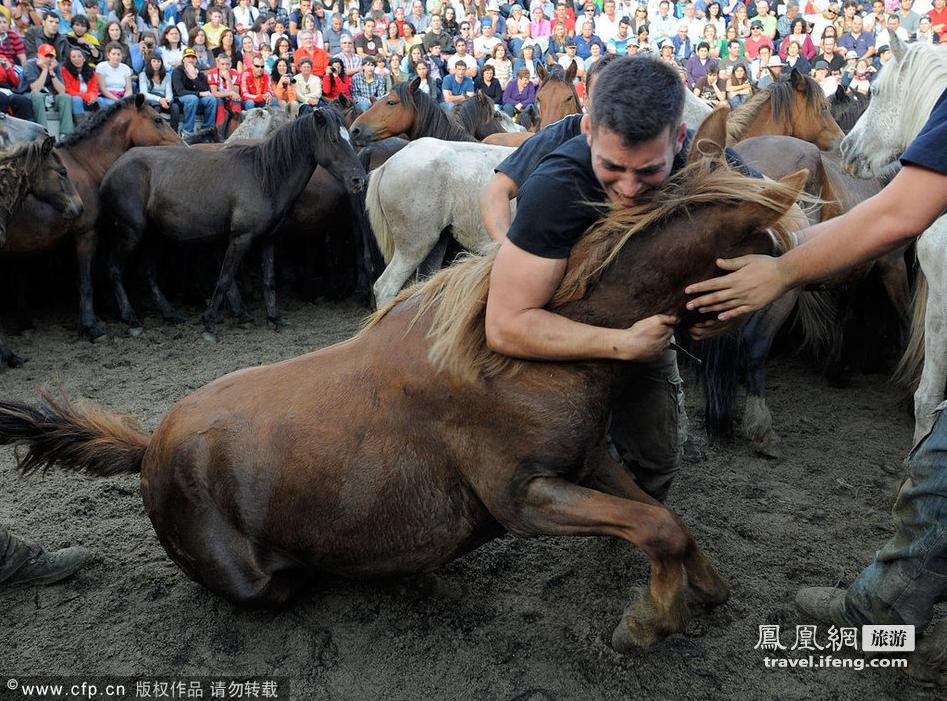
(189, 104)
(649, 425)
(63, 105)
(208, 110)
(78, 105)
(39, 109)
(909, 574)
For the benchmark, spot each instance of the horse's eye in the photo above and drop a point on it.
(391, 103)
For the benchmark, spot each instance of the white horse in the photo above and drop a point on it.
(902, 100)
(430, 185)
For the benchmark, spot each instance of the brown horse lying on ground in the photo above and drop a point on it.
(262, 478)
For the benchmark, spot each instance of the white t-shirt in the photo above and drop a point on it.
(114, 78)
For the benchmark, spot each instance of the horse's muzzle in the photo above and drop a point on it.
(358, 183)
(360, 135)
(74, 210)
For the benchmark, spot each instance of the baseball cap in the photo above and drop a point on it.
(485, 22)
(189, 52)
(570, 42)
(821, 64)
(852, 54)
(625, 20)
(756, 23)
(45, 50)
(883, 48)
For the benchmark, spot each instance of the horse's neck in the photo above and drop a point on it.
(440, 126)
(295, 176)
(98, 151)
(756, 119)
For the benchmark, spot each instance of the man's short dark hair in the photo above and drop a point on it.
(637, 97)
(462, 64)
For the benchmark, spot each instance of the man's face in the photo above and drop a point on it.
(347, 46)
(586, 30)
(305, 69)
(370, 28)
(459, 71)
(764, 55)
(461, 47)
(417, 8)
(689, 11)
(857, 24)
(336, 22)
(663, 9)
(4, 24)
(257, 67)
(610, 9)
(828, 45)
(893, 22)
(436, 23)
(762, 9)
(702, 52)
(906, 5)
(464, 30)
(626, 173)
(305, 41)
(51, 24)
(622, 30)
(734, 50)
(223, 63)
(65, 9)
(215, 18)
(487, 30)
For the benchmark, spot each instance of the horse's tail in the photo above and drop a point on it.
(719, 376)
(79, 438)
(818, 316)
(376, 214)
(908, 372)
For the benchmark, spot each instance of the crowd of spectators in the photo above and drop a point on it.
(190, 57)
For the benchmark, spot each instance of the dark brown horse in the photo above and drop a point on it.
(408, 111)
(178, 193)
(33, 168)
(392, 452)
(793, 106)
(87, 153)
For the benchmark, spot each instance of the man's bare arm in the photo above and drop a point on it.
(495, 205)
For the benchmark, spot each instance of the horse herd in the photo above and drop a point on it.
(262, 479)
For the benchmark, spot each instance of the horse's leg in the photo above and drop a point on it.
(167, 310)
(8, 359)
(552, 506)
(704, 585)
(402, 265)
(24, 319)
(125, 241)
(268, 257)
(758, 335)
(86, 243)
(894, 276)
(235, 252)
(237, 307)
(435, 259)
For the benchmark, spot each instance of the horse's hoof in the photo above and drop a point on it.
(768, 447)
(94, 333)
(278, 324)
(11, 361)
(135, 331)
(209, 337)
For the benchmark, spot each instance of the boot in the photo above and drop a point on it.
(822, 604)
(24, 562)
(929, 663)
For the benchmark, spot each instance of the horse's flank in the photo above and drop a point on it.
(456, 297)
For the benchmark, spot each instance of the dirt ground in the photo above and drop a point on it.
(517, 619)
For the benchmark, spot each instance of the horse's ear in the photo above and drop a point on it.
(414, 85)
(48, 143)
(571, 72)
(139, 100)
(841, 95)
(343, 100)
(541, 72)
(711, 137)
(897, 46)
(320, 117)
(797, 80)
(782, 194)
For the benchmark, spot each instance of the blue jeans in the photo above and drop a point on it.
(78, 105)
(190, 103)
(363, 103)
(909, 574)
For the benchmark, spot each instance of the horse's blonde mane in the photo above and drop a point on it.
(455, 299)
(781, 97)
(742, 119)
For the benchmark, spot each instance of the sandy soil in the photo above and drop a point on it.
(517, 619)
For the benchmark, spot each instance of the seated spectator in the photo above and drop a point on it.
(830, 56)
(938, 17)
(336, 81)
(594, 58)
(759, 64)
(925, 32)
(681, 44)
(393, 43)
(172, 48)
(822, 73)
(193, 15)
(710, 88)
(667, 54)
(893, 26)
(484, 44)
(619, 43)
(710, 38)
(394, 75)
(224, 84)
(368, 43)
(519, 94)
(215, 28)
(731, 59)
(367, 86)
(81, 82)
(556, 49)
(539, 29)
(115, 77)
(80, 37)
(192, 90)
(488, 84)
(283, 87)
(858, 40)
(410, 36)
(308, 87)
(20, 105)
(460, 54)
(752, 44)
(697, 64)
(46, 33)
(517, 29)
(457, 86)
(155, 84)
(798, 34)
(730, 35)
(255, 85)
(246, 14)
(795, 60)
(307, 49)
(436, 35)
(527, 61)
(426, 83)
(502, 66)
(152, 17)
(197, 41)
(415, 54)
(585, 39)
(139, 54)
(43, 83)
(97, 21)
(645, 45)
(860, 80)
(739, 88)
(227, 46)
(769, 73)
(11, 44)
(572, 57)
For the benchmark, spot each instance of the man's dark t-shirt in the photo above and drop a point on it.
(929, 148)
(558, 188)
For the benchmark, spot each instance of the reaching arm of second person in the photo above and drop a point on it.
(495, 205)
(878, 225)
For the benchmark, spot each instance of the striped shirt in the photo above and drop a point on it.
(11, 46)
